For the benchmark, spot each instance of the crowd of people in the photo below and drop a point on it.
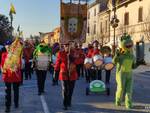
(64, 62)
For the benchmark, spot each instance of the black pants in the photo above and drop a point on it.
(67, 91)
(41, 77)
(22, 72)
(55, 77)
(108, 72)
(8, 93)
(27, 71)
(93, 74)
(80, 70)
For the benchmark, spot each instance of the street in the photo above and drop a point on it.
(51, 101)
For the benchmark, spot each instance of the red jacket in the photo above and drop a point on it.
(9, 76)
(62, 65)
(27, 54)
(80, 56)
(92, 52)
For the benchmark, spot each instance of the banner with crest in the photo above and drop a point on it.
(73, 22)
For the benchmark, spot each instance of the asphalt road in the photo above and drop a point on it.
(51, 101)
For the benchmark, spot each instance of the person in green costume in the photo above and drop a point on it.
(42, 58)
(125, 62)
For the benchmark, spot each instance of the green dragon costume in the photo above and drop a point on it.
(125, 62)
(42, 48)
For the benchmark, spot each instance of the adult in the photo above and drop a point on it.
(95, 72)
(27, 53)
(41, 61)
(55, 50)
(11, 71)
(65, 62)
(80, 56)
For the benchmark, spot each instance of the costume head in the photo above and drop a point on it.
(42, 48)
(126, 43)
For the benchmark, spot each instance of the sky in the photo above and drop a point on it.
(33, 16)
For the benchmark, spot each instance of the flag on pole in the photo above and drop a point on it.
(12, 9)
(18, 29)
(21, 33)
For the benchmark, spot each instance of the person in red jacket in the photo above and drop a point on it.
(11, 77)
(66, 67)
(27, 53)
(91, 53)
(79, 59)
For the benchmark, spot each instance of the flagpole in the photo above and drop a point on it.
(11, 20)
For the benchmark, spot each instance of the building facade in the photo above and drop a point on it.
(47, 37)
(103, 23)
(51, 37)
(92, 21)
(56, 36)
(134, 19)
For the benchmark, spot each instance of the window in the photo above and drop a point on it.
(126, 18)
(101, 27)
(88, 28)
(106, 24)
(140, 14)
(94, 12)
(94, 28)
(88, 15)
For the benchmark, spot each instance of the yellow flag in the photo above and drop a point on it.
(21, 33)
(12, 9)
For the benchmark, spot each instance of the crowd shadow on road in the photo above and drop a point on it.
(83, 108)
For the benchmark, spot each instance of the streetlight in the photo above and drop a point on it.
(114, 23)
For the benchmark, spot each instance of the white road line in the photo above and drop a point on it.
(44, 104)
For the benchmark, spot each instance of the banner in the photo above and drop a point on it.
(73, 22)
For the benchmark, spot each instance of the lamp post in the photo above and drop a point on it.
(114, 23)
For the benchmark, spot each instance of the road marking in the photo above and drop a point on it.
(44, 104)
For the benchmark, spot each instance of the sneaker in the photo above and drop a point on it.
(65, 108)
(129, 106)
(39, 93)
(69, 105)
(117, 103)
(16, 106)
(7, 110)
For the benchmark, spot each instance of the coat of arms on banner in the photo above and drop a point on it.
(73, 22)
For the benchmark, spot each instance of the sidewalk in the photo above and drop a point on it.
(142, 68)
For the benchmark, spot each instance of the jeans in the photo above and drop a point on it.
(8, 93)
(67, 91)
(41, 77)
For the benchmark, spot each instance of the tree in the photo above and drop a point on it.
(5, 29)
